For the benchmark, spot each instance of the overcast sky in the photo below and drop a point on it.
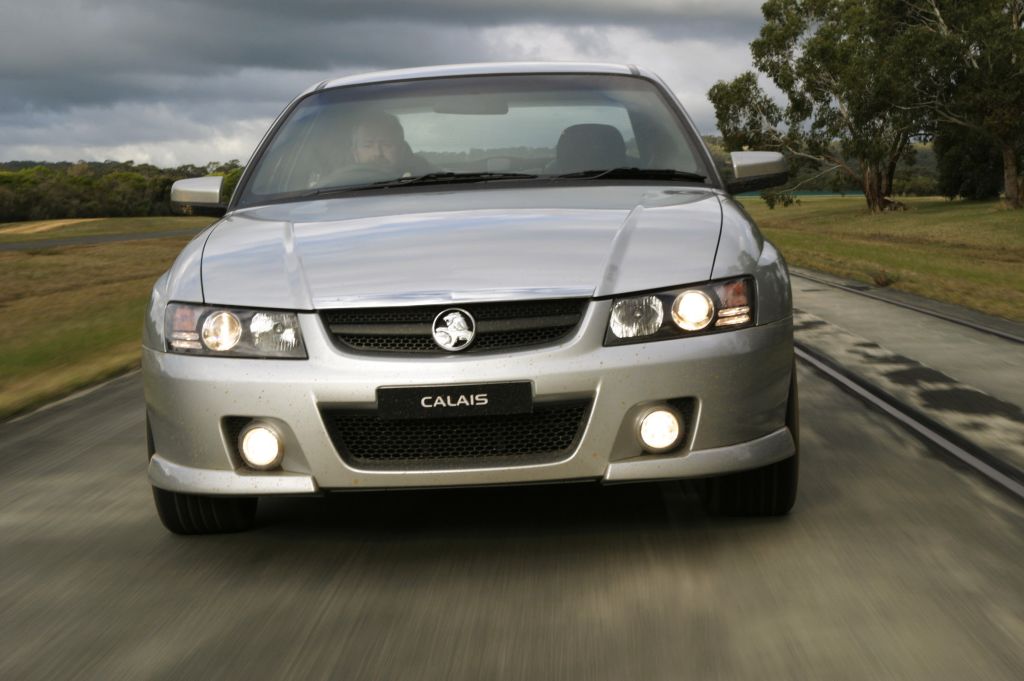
(191, 81)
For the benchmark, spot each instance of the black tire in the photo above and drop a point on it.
(767, 491)
(196, 514)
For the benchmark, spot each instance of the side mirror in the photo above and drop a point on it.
(198, 196)
(755, 170)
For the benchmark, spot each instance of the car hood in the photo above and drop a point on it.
(460, 246)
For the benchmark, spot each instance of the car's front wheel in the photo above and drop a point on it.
(197, 514)
(767, 491)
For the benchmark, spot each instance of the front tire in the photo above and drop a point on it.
(766, 491)
(197, 514)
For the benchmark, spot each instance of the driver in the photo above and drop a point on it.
(378, 141)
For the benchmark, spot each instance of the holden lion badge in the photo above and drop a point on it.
(454, 330)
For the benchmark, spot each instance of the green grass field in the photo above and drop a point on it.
(969, 254)
(74, 314)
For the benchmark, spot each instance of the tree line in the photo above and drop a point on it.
(32, 190)
(862, 81)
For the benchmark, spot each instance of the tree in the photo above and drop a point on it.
(973, 60)
(229, 183)
(969, 164)
(842, 67)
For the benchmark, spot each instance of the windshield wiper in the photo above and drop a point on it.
(634, 174)
(441, 178)
(429, 178)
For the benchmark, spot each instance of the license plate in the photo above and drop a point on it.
(446, 401)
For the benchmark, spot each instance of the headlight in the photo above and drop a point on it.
(232, 332)
(694, 310)
(633, 317)
(221, 331)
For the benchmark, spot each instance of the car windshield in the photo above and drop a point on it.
(478, 129)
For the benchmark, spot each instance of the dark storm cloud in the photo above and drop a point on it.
(169, 69)
(729, 16)
(63, 52)
(73, 73)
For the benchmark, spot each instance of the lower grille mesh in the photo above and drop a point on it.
(550, 433)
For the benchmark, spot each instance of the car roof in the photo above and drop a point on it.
(486, 68)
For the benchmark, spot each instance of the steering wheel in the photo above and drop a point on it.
(359, 173)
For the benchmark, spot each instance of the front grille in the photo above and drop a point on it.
(548, 434)
(499, 326)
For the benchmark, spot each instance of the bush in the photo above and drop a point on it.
(50, 191)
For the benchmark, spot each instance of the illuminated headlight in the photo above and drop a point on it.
(693, 310)
(232, 332)
(221, 331)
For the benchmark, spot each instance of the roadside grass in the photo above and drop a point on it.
(966, 253)
(73, 316)
(13, 232)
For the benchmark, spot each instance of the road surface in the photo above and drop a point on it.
(894, 565)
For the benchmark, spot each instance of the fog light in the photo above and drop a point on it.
(660, 429)
(260, 446)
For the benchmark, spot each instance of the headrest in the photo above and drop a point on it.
(589, 146)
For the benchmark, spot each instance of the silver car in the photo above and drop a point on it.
(481, 274)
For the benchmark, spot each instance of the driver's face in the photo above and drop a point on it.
(375, 145)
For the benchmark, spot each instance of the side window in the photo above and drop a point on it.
(286, 166)
(659, 147)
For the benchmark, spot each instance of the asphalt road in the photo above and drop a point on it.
(893, 565)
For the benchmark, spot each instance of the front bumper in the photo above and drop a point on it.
(739, 381)
(760, 452)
